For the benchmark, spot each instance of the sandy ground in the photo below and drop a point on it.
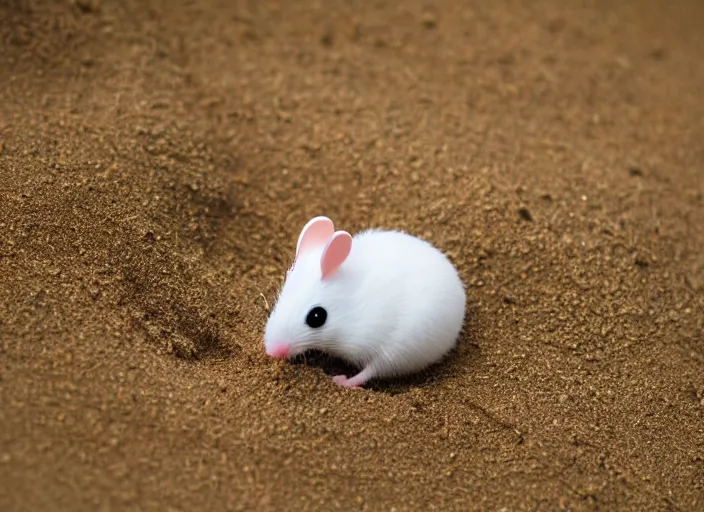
(158, 159)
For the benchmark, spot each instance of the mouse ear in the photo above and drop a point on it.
(315, 233)
(335, 253)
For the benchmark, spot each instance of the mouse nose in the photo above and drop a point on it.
(279, 350)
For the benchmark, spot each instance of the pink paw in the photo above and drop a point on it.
(342, 380)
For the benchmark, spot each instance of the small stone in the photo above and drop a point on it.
(87, 6)
(429, 20)
(525, 214)
(641, 261)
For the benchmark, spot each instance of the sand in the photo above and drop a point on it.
(158, 160)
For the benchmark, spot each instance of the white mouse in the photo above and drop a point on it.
(385, 301)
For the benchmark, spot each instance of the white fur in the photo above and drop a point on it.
(395, 306)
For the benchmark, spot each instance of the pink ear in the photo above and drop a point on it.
(315, 233)
(335, 253)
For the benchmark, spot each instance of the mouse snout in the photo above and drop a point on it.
(279, 350)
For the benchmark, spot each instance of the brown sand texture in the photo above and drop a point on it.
(159, 158)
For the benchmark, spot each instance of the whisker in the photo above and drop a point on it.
(266, 303)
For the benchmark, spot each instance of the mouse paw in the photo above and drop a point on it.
(342, 380)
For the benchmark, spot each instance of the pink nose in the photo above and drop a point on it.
(279, 351)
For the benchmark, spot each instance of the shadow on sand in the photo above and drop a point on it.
(399, 385)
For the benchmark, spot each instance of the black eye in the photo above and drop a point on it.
(316, 317)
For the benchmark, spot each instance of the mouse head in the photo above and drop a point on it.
(310, 308)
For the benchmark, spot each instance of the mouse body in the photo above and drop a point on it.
(385, 301)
